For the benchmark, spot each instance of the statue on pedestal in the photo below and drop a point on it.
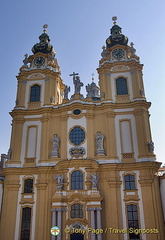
(55, 142)
(150, 146)
(94, 179)
(99, 144)
(9, 154)
(66, 91)
(60, 183)
(77, 83)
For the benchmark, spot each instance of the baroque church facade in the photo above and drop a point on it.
(85, 164)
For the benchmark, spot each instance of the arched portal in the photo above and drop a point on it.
(76, 236)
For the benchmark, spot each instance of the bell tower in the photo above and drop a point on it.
(121, 83)
(39, 81)
(40, 87)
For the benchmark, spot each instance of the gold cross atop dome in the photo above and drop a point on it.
(114, 19)
(44, 27)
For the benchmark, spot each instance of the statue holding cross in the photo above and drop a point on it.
(77, 83)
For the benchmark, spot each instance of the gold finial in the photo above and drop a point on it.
(93, 77)
(44, 27)
(114, 19)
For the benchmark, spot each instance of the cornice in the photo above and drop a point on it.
(139, 107)
(24, 73)
(132, 63)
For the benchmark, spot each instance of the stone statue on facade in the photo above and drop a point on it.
(132, 49)
(99, 143)
(103, 95)
(66, 91)
(26, 61)
(95, 180)
(93, 91)
(104, 52)
(55, 142)
(60, 183)
(77, 84)
(150, 146)
(52, 99)
(88, 89)
(9, 154)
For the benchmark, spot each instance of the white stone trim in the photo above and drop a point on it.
(124, 110)
(27, 92)
(107, 161)
(18, 211)
(93, 203)
(24, 138)
(134, 134)
(70, 124)
(33, 116)
(140, 204)
(151, 159)
(113, 78)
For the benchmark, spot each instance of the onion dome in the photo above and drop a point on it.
(116, 36)
(44, 45)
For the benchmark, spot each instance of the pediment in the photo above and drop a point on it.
(36, 76)
(120, 68)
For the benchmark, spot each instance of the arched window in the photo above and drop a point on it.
(121, 86)
(25, 226)
(129, 182)
(76, 180)
(133, 220)
(28, 185)
(76, 211)
(35, 93)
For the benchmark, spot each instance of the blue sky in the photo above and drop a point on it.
(78, 30)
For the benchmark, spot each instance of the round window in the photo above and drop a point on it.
(76, 111)
(77, 135)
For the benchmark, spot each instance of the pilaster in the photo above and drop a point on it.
(10, 198)
(111, 136)
(16, 138)
(135, 85)
(44, 138)
(42, 208)
(105, 82)
(63, 141)
(90, 134)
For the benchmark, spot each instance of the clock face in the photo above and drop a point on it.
(39, 61)
(118, 53)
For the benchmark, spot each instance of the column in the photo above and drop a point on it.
(59, 222)
(99, 222)
(53, 221)
(93, 236)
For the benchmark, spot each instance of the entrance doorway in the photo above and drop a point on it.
(76, 236)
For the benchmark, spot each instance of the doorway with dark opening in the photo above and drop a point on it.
(76, 236)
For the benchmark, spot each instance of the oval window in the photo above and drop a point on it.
(77, 135)
(76, 111)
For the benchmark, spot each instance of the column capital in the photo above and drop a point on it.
(108, 74)
(98, 209)
(91, 209)
(132, 71)
(59, 210)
